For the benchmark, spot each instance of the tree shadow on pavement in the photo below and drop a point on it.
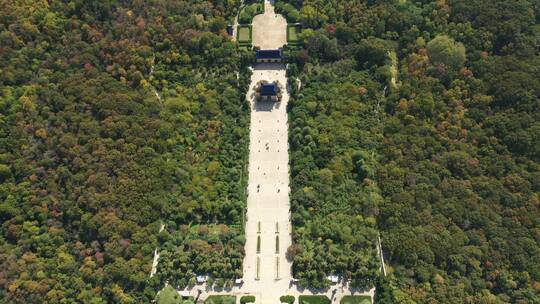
(264, 106)
(268, 67)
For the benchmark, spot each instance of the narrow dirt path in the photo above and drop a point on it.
(156, 256)
(235, 22)
(393, 69)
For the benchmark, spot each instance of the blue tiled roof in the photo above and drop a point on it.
(268, 90)
(269, 54)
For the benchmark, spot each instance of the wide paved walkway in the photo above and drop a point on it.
(269, 29)
(268, 191)
(267, 273)
(268, 221)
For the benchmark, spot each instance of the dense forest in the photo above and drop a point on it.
(117, 117)
(415, 120)
(420, 119)
(333, 209)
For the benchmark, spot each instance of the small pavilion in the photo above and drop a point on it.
(269, 92)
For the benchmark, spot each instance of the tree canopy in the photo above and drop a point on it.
(117, 117)
(444, 50)
(436, 148)
(418, 121)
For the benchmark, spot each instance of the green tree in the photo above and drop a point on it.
(444, 50)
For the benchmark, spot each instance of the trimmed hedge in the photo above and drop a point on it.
(242, 28)
(247, 299)
(356, 300)
(287, 299)
(220, 299)
(313, 300)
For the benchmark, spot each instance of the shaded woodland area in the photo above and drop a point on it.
(444, 164)
(92, 161)
(418, 120)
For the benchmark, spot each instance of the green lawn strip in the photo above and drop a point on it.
(218, 299)
(313, 300)
(356, 300)
(244, 37)
(169, 295)
(292, 33)
(244, 33)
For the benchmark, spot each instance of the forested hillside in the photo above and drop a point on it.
(420, 119)
(92, 161)
(333, 208)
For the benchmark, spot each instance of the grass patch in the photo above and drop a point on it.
(220, 300)
(313, 300)
(292, 33)
(244, 36)
(244, 33)
(169, 295)
(355, 300)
